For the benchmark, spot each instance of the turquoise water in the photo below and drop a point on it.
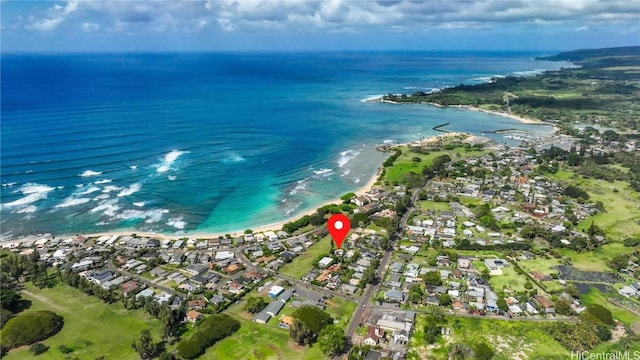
(212, 142)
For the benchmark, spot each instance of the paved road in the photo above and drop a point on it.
(357, 317)
(488, 316)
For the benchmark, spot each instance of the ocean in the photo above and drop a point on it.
(213, 142)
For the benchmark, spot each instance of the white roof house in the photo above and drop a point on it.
(325, 261)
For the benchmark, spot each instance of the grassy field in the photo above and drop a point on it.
(260, 342)
(434, 205)
(545, 266)
(305, 262)
(596, 297)
(509, 279)
(91, 327)
(508, 339)
(340, 309)
(622, 216)
(405, 163)
(596, 260)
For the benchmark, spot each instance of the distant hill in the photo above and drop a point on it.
(599, 58)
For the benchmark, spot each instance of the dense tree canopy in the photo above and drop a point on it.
(30, 327)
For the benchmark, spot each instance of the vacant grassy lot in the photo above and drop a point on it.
(91, 327)
(434, 205)
(622, 216)
(305, 262)
(260, 342)
(509, 279)
(596, 297)
(596, 260)
(508, 339)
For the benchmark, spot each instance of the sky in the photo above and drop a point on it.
(319, 25)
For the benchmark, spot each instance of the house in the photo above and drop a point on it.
(374, 335)
(128, 288)
(274, 308)
(627, 291)
(457, 305)
(275, 291)
(198, 304)
(394, 296)
(540, 276)
(464, 263)
(545, 303)
(325, 262)
(397, 267)
(360, 200)
(193, 316)
(262, 317)
(401, 337)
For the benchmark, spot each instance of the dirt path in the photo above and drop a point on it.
(45, 301)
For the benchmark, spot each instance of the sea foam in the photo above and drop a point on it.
(72, 201)
(168, 160)
(347, 156)
(88, 173)
(133, 188)
(33, 192)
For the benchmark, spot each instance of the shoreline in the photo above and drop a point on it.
(520, 119)
(275, 226)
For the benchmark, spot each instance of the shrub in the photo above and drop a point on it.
(601, 313)
(65, 349)
(30, 327)
(38, 348)
(211, 330)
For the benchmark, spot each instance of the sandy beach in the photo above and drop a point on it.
(206, 235)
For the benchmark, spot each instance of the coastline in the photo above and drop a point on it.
(276, 226)
(518, 118)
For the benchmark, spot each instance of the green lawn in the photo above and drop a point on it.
(306, 261)
(510, 279)
(340, 309)
(508, 339)
(404, 164)
(434, 205)
(260, 342)
(91, 327)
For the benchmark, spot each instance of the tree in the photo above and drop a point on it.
(563, 307)
(601, 313)
(30, 327)
(255, 304)
(573, 291)
(619, 262)
(415, 294)
(485, 274)
(144, 345)
(301, 333)
(483, 351)
(460, 351)
(308, 321)
(433, 278)
(528, 285)
(38, 348)
(502, 304)
(445, 300)
(332, 340)
(9, 298)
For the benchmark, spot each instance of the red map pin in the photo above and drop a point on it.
(338, 226)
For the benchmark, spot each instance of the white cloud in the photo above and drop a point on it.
(89, 27)
(331, 15)
(45, 24)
